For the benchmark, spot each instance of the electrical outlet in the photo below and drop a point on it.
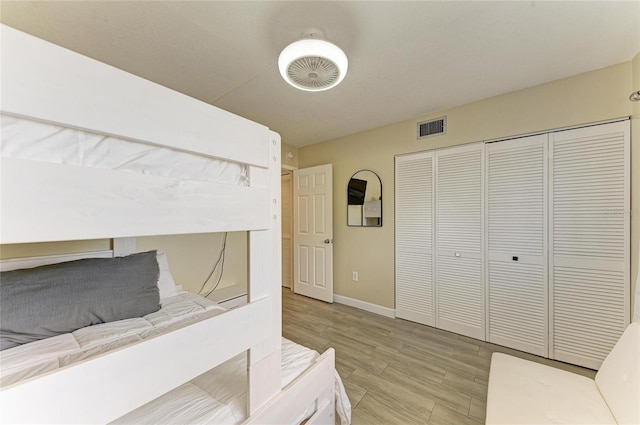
(355, 276)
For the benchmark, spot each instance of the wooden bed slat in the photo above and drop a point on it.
(49, 202)
(30, 262)
(265, 279)
(124, 379)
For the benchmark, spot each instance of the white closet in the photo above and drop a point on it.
(517, 244)
(414, 237)
(439, 238)
(590, 241)
(526, 248)
(459, 233)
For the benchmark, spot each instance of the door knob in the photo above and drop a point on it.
(328, 241)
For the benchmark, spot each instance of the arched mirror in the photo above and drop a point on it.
(364, 200)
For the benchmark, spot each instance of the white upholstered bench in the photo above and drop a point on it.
(524, 392)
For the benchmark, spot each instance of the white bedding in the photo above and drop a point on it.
(217, 396)
(38, 141)
(28, 360)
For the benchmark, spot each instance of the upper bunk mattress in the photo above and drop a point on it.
(38, 141)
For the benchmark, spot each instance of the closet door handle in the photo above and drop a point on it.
(328, 241)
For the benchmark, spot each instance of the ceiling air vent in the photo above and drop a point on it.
(432, 127)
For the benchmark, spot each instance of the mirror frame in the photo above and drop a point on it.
(380, 182)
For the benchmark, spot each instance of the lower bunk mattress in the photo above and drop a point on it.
(217, 396)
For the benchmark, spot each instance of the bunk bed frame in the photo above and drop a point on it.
(43, 202)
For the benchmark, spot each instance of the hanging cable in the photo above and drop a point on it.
(215, 266)
(219, 276)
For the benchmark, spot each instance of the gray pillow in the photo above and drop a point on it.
(50, 300)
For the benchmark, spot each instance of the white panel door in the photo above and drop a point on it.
(589, 241)
(313, 232)
(414, 237)
(460, 293)
(517, 244)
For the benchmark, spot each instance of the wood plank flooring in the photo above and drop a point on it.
(399, 372)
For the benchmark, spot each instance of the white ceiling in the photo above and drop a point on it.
(405, 58)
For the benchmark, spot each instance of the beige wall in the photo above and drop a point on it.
(52, 248)
(191, 257)
(594, 96)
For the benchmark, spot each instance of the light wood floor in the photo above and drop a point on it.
(399, 372)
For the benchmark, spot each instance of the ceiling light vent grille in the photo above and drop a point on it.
(432, 128)
(313, 72)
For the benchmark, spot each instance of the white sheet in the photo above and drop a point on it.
(38, 141)
(37, 357)
(28, 360)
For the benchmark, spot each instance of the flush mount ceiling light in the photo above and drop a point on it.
(313, 64)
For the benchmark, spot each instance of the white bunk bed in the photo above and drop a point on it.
(55, 191)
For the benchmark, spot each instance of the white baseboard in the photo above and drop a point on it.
(363, 305)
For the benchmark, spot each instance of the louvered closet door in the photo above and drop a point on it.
(459, 240)
(516, 244)
(414, 238)
(589, 258)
